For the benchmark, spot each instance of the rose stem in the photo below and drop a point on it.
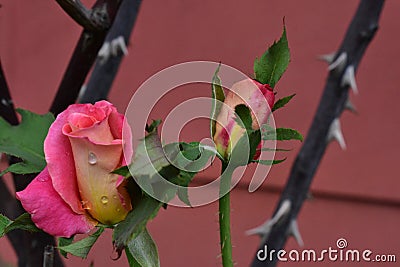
(224, 217)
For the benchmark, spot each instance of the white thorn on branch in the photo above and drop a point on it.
(112, 48)
(264, 229)
(339, 63)
(117, 45)
(328, 58)
(350, 106)
(335, 133)
(104, 53)
(349, 79)
(294, 231)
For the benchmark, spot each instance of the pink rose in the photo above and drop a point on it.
(260, 100)
(76, 190)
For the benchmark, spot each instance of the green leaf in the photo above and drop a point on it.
(82, 247)
(191, 157)
(282, 102)
(244, 114)
(4, 222)
(282, 134)
(62, 242)
(135, 222)
(149, 156)
(273, 63)
(188, 159)
(142, 251)
(123, 171)
(26, 140)
(23, 222)
(153, 126)
(183, 179)
(288, 134)
(269, 162)
(20, 168)
(218, 96)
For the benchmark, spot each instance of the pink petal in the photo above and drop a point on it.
(49, 211)
(98, 133)
(60, 161)
(121, 130)
(258, 97)
(78, 121)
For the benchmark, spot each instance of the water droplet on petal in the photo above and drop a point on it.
(92, 158)
(85, 204)
(114, 197)
(43, 179)
(104, 200)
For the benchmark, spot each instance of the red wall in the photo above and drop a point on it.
(356, 191)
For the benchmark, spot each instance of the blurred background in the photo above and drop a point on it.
(355, 193)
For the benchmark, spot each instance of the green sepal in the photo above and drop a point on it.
(273, 63)
(218, 97)
(282, 102)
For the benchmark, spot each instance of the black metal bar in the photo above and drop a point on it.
(357, 38)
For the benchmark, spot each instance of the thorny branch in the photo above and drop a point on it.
(91, 20)
(111, 53)
(325, 124)
(83, 58)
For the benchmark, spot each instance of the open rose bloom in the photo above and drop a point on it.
(259, 98)
(77, 190)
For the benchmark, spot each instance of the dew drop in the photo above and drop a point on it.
(85, 204)
(118, 209)
(104, 200)
(92, 158)
(42, 179)
(114, 197)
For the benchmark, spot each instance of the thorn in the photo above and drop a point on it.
(104, 53)
(335, 133)
(328, 58)
(339, 63)
(264, 229)
(118, 44)
(294, 231)
(112, 49)
(350, 106)
(6, 102)
(349, 79)
(283, 209)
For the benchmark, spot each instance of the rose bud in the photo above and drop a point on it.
(259, 98)
(77, 189)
